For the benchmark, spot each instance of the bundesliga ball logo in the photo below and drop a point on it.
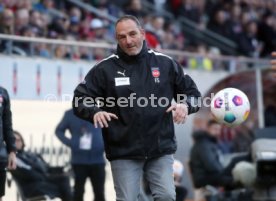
(230, 106)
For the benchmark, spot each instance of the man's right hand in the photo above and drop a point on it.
(102, 119)
(273, 63)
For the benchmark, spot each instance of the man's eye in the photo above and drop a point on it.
(121, 37)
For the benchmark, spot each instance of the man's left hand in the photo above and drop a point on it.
(12, 161)
(180, 113)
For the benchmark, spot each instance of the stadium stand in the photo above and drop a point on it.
(247, 27)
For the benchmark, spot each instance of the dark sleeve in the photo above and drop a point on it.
(25, 172)
(87, 93)
(209, 158)
(61, 128)
(7, 123)
(185, 89)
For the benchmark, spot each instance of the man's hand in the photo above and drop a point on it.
(102, 118)
(273, 63)
(180, 113)
(12, 161)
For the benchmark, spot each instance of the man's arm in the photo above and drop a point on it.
(86, 96)
(186, 90)
(8, 131)
(26, 173)
(7, 124)
(60, 131)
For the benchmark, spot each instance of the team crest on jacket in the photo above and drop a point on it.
(155, 73)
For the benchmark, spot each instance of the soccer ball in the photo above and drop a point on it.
(230, 106)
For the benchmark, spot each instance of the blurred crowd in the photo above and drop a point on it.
(249, 23)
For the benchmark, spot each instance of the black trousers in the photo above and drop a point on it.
(96, 174)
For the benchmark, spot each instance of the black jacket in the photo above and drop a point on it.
(6, 132)
(30, 168)
(140, 132)
(36, 177)
(204, 159)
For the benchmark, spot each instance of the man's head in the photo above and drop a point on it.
(19, 141)
(214, 128)
(130, 35)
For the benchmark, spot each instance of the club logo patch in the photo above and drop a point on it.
(155, 73)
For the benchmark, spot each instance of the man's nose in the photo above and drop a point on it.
(128, 40)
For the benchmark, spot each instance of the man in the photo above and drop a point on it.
(138, 133)
(206, 161)
(87, 149)
(36, 177)
(273, 61)
(7, 141)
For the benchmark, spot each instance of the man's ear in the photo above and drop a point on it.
(143, 32)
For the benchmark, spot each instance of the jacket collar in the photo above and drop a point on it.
(133, 58)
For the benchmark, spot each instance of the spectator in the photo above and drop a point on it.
(75, 22)
(218, 23)
(99, 31)
(235, 23)
(7, 22)
(249, 44)
(27, 4)
(58, 28)
(107, 7)
(36, 177)
(155, 32)
(6, 27)
(44, 6)
(206, 162)
(202, 61)
(37, 24)
(134, 7)
(22, 18)
(188, 10)
(172, 37)
(61, 52)
(10, 4)
(42, 50)
(87, 154)
(267, 33)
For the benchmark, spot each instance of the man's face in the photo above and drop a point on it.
(214, 130)
(130, 37)
(18, 142)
